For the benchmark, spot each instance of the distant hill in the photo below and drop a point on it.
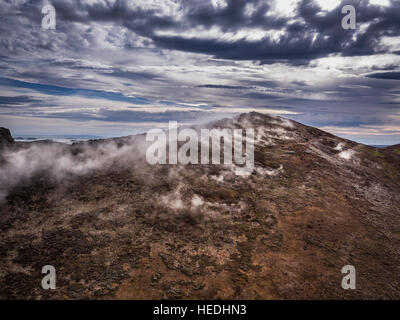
(380, 146)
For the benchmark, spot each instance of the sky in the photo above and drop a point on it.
(114, 68)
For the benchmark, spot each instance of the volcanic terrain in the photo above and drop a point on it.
(115, 227)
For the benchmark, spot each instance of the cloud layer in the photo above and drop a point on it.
(117, 67)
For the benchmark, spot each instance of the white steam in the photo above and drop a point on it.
(59, 160)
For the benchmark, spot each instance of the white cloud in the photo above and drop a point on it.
(328, 5)
(384, 3)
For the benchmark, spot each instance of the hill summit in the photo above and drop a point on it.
(114, 226)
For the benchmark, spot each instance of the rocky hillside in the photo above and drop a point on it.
(115, 227)
(5, 138)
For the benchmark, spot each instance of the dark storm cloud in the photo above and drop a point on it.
(217, 86)
(385, 75)
(131, 75)
(263, 83)
(233, 16)
(391, 103)
(16, 100)
(265, 50)
(299, 83)
(262, 96)
(308, 35)
(314, 36)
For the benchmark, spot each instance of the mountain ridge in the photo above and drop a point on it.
(116, 227)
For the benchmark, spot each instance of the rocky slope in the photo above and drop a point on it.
(5, 138)
(116, 227)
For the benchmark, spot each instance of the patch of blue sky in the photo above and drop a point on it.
(64, 91)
